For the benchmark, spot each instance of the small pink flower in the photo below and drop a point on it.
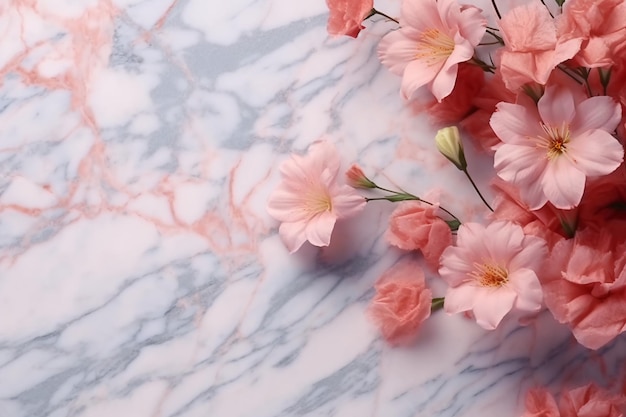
(402, 302)
(357, 179)
(587, 401)
(346, 16)
(549, 151)
(434, 37)
(491, 271)
(416, 226)
(531, 49)
(310, 198)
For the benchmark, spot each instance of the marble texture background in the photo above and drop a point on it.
(140, 275)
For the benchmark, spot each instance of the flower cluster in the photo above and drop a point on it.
(542, 90)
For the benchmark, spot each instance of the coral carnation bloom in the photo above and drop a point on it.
(402, 302)
(491, 271)
(310, 198)
(346, 16)
(590, 401)
(415, 226)
(531, 49)
(435, 36)
(549, 151)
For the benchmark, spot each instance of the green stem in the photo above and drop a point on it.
(477, 190)
(437, 304)
(495, 7)
(408, 196)
(374, 11)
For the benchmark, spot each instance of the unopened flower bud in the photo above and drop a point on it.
(449, 144)
(357, 179)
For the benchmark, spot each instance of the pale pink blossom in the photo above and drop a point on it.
(310, 198)
(531, 48)
(346, 16)
(434, 37)
(415, 226)
(548, 151)
(402, 302)
(491, 271)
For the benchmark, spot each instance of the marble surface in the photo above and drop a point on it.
(140, 275)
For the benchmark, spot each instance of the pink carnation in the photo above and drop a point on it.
(416, 226)
(549, 151)
(434, 37)
(346, 16)
(402, 302)
(310, 198)
(600, 25)
(491, 271)
(540, 403)
(586, 401)
(585, 284)
(531, 49)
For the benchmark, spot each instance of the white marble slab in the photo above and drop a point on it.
(140, 275)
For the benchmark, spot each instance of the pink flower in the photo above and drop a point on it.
(600, 25)
(491, 271)
(310, 198)
(434, 37)
(357, 179)
(540, 403)
(586, 401)
(589, 401)
(415, 226)
(402, 302)
(585, 284)
(549, 151)
(531, 49)
(346, 16)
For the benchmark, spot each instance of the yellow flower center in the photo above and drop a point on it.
(555, 139)
(490, 275)
(434, 46)
(317, 202)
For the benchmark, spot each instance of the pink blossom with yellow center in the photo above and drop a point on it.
(434, 37)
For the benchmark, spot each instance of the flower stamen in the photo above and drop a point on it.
(490, 275)
(434, 46)
(555, 139)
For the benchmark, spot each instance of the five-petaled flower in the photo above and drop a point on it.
(310, 198)
(491, 271)
(434, 37)
(549, 150)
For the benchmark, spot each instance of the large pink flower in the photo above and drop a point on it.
(549, 151)
(346, 16)
(586, 401)
(434, 37)
(310, 198)
(491, 271)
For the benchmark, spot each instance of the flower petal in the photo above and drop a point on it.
(600, 112)
(556, 106)
(292, 234)
(319, 229)
(525, 283)
(492, 305)
(595, 153)
(562, 183)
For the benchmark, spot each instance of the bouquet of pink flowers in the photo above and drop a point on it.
(541, 88)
